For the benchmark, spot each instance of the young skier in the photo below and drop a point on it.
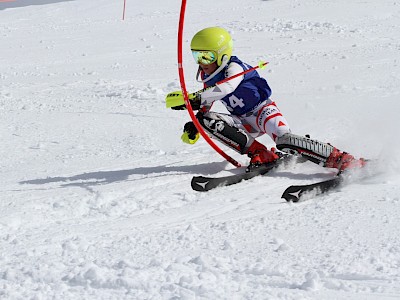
(252, 112)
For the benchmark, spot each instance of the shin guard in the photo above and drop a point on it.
(312, 150)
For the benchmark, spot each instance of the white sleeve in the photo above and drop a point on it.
(221, 90)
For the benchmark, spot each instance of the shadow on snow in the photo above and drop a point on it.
(107, 177)
(86, 180)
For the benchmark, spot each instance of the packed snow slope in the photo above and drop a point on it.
(95, 190)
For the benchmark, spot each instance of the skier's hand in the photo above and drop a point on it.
(190, 134)
(175, 100)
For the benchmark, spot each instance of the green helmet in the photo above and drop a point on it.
(214, 39)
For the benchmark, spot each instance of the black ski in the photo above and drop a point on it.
(294, 193)
(203, 184)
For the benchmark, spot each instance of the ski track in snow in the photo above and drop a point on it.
(95, 197)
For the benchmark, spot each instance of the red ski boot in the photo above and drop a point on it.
(343, 160)
(259, 155)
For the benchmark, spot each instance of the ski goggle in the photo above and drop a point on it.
(204, 57)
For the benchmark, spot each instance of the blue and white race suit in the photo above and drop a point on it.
(246, 97)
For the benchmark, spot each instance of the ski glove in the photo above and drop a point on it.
(190, 134)
(175, 100)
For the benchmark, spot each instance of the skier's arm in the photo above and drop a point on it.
(221, 90)
(174, 100)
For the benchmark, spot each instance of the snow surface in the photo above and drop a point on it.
(95, 183)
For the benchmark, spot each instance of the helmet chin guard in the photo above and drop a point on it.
(225, 61)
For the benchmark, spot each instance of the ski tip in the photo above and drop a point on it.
(292, 194)
(295, 193)
(199, 183)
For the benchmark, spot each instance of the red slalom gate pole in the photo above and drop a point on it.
(185, 93)
(123, 12)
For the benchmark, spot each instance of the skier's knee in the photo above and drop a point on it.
(231, 136)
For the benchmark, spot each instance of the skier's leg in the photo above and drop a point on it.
(231, 131)
(226, 129)
(320, 153)
(269, 119)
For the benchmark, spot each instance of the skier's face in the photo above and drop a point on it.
(209, 69)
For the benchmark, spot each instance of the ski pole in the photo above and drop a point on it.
(261, 65)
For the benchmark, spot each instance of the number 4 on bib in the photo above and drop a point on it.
(235, 102)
